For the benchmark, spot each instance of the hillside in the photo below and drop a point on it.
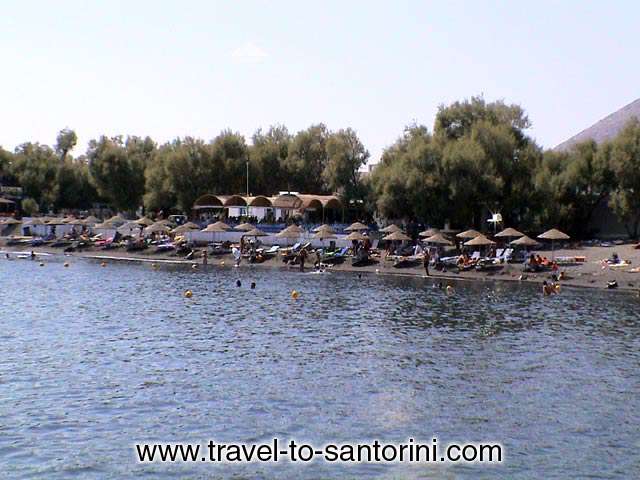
(606, 128)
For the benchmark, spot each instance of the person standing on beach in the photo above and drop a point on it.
(426, 260)
(301, 258)
(205, 255)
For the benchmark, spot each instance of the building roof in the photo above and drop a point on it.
(287, 201)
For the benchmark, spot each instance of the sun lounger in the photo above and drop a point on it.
(335, 257)
(287, 250)
(165, 247)
(407, 262)
(274, 249)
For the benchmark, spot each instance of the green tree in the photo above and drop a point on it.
(268, 156)
(408, 183)
(307, 160)
(66, 140)
(117, 170)
(457, 120)
(230, 157)
(192, 171)
(489, 160)
(6, 167)
(573, 184)
(159, 194)
(35, 169)
(29, 206)
(74, 186)
(625, 164)
(345, 155)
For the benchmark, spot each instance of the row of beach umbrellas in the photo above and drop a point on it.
(475, 238)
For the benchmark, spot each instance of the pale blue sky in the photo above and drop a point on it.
(169, 69)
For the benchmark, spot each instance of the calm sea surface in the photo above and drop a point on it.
(94, 359)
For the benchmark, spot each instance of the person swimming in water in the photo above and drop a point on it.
(548, 288)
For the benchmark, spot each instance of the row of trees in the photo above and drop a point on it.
(477, 159)
(130, 172)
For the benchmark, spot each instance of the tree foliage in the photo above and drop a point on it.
(35, 168)
(65, 142)
(117, 169)
(478, 159)
(29, 206)
(625, 163)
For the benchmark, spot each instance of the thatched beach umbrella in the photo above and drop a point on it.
(213, 228)
(525, 242)
(356, 227)
(356, 235)
(11, 221)
(145, 221)
(397, 236)
(429, 232)
(479, 241)
(55, 221)
(324, 228)
(289, 232)
(321, 234)
(33, 222)
(78, 222)
(469, 234)
(91, 220)
(156, 228)
(324, 234)
(391, 229)
(117, 219)
(438, 239)
(219, 225)
(509, 233)
(128, 228)
(245, 227)
(294, 229)
(553, 235)
(256, 232)
(186, 227)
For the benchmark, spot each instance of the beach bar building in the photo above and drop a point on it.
(282, 206)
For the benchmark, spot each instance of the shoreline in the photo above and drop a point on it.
(588, 275)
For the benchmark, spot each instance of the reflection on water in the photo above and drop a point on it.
(94, 359)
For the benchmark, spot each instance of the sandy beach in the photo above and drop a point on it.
(589, 274)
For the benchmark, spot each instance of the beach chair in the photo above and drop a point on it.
(288, 250)
(507, 255)
(335, 257)
(407, 262)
